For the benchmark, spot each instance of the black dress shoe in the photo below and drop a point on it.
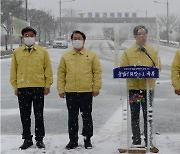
(27, 143)
(71, 145)
(87, 144)
(40, 144)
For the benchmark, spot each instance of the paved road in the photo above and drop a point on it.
(55, 108)
(166, 103)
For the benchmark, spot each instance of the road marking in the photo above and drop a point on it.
(163, 81)
(15, 111)
(113, 125)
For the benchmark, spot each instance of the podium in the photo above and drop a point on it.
(138, 72)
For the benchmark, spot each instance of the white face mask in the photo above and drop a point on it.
(29, 41)
(77, 44)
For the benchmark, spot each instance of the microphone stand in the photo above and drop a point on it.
(143, 49)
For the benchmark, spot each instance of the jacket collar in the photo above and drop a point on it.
(81, 52)
(25, 47)
(136, 47)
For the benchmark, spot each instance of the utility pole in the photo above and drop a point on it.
(167, 27)
(146, 13)
(116, 47)
(26, 6)
(167, 16)
(60, 18)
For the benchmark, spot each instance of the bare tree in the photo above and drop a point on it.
(68, 25)
(172, 24)
(10, 8)
(177, 29)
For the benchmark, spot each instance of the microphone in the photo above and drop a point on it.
(143, 49)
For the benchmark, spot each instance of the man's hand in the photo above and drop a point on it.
(16, 92)
(46, 91)
(95, 93)
(62, 95)
(177, 91)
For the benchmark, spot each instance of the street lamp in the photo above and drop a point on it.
(167, 23)
(60, 13)
(26, 4)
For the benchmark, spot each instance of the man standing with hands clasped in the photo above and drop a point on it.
(79, 79)
(31, 77)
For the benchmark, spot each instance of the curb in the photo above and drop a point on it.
(6, 56)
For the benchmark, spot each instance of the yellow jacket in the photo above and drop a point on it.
(79, 72)
(134, 56)
(175, 71)
(31, 69)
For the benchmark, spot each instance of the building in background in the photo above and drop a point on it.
(126, 14)
(90, 14)
(112, 14)
(134, 15)
(105, 15)
(119, 15)
(97, 14)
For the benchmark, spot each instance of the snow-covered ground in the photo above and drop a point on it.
(106, 141)
(13, 46)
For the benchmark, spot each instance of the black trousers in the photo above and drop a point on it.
(83, 102)
(138, 99)
(27, 96)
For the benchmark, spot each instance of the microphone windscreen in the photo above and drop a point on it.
(142, 49)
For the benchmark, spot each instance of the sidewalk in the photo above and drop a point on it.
(7, 53)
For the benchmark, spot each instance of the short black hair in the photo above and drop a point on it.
(27, 29)
(137, 28)
(79, 32)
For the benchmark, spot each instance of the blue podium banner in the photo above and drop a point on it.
(136, 72)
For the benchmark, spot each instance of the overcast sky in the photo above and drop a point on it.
(139, 6)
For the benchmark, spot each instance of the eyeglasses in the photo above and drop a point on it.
(141, 34)
(29, 34)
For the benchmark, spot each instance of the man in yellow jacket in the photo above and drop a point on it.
(175, 73)
(31, 77)
(140, 54)
(79, 79)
